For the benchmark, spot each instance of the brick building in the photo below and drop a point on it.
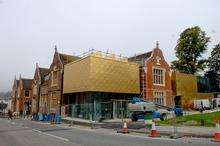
(55, 82)
(155, 76)
(14, 96)
(38, 81)
(25, 95)
(44, 101)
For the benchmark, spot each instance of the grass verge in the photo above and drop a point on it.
(206, 119)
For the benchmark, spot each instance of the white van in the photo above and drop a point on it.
(216, 102)
(202, 103)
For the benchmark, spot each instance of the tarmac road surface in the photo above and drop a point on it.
(30, 133)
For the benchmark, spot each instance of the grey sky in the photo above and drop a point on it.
(29, 29)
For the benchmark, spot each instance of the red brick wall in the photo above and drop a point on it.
(147, 76)
(35, 84)
(55, 91)
(22, 97)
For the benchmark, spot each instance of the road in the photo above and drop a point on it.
(30, 133)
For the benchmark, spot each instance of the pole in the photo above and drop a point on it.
(122, 118)
(175, 130)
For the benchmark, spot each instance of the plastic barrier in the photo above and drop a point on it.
(40, 116)
(52, 118)
(57, 119)
(35, 117)
(49, 118)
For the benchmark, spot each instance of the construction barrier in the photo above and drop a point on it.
(57, 119)
(35, 117)
(49, 117)
(40, 117)
(52, 121)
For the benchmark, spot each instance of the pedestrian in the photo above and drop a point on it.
(202, 107)
(10, 114)
(25, 114)
(21, 114)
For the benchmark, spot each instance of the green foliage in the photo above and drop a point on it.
(193, 120)
(213, 73)
(190, 47)
(3, 106)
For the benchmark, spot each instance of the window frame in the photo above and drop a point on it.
(27, 91)
(157, 97)
(163, 76)
(54, 80)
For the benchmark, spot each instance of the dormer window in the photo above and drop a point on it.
(26, 94)
(46, 78)
(158, 59)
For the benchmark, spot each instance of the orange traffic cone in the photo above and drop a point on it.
(217, 133)
(153, 131)
(125, 128)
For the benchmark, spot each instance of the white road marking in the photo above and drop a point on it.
(61, 138)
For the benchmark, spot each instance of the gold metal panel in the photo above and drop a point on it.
(101, 74)
(185, 83)
(76, 76)
(186, 86)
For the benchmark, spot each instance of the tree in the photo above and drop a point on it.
(3, 106)
(213, 73)
(190, 47)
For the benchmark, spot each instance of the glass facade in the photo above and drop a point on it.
(97, 106)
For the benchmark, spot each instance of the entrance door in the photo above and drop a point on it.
(107, 110)
(120, 108)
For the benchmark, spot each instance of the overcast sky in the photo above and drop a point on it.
(29, 29)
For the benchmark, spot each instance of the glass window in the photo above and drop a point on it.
(159, 97)
(158, 76)
(46, 78)
(54, 77)
(26, 93)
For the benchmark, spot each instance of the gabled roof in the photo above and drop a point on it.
(16, 82)
(67, 58)
(27, 83)
(140, 58)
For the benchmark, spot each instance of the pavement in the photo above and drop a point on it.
(139, 127)
(21, 132)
